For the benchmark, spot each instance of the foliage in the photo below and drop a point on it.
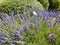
(30, 28)
(41, 36)
(54, 4)
(8, 6)
(45, 3)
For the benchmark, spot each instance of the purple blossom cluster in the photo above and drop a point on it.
(14, 24)
(4, 37)
(48, 16)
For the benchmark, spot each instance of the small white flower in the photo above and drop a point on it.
(34, 13)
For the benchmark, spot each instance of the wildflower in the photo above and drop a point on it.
(37, 23)
(25, 27)
(30, 25)
(17, 34)
(58, 19)
(22, 22)
(21, 30)
(50, 36)
(34, 13)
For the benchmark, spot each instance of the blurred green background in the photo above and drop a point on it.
(8, 6)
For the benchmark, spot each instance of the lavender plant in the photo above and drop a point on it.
(33, 27)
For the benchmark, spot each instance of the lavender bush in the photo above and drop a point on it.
(33, 27)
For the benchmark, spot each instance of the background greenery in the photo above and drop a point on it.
(8, 6)
(45, 3)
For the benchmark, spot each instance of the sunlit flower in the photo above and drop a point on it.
(34, 13)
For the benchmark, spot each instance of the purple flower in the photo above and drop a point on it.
(21, 30)
(50, 36)
(17, 34)
(45, 13)
(30, 25)
(2, 39)
(25, 27)
(30, 19)
(22, 22)
(37, 23)
(57, 19)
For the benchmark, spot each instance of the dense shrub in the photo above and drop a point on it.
(39, 28)
(54, 4)
(45, 3)
(8, 6)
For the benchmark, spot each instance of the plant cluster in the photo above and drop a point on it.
(37, 27)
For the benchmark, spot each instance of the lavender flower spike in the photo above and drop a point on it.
(50, 36)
